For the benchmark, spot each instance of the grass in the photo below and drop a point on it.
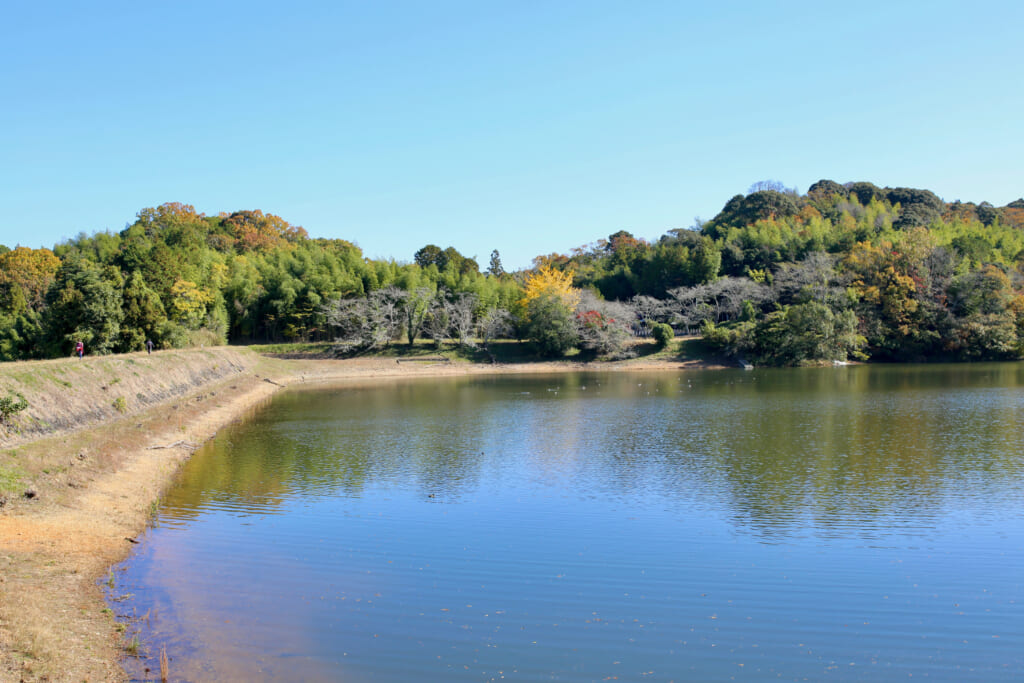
(25, 379)
(505, 351)
(303, 348)
(695, 348)
(10, 478)
(679, 349)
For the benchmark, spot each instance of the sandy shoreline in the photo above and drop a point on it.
(56, 547)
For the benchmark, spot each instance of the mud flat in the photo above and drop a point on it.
(81, 470)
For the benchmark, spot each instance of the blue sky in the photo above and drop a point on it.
(527, 127)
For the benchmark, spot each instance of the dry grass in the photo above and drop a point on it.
(66, 394)
(165, 667)
(37, 638)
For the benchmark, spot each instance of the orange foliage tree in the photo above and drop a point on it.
(256, 231)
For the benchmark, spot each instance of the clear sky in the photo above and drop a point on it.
(525, 126)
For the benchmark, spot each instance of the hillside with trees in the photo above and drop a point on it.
(843, 271)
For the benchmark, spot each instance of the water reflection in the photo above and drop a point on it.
(592, 525)
(778, 449)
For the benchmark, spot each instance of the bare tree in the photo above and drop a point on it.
(772, 186)
(728, 294)
(414, 309)
(604, 326)
(437, 322)
(716, 301)
(687, 306)
(460, 313)
(366, 323)
(813, 279)
(651, 309)
(493, 324)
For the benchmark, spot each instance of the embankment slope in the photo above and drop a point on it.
(67, 394)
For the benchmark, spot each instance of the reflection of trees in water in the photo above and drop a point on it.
(862, 449)
(826, 450)
(331, 442)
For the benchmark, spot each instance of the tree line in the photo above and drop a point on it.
(842, 271)
(181, 278)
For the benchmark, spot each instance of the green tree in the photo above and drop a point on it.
(20, 335)
(806, 332)
(495, 268)
(823, 191)
(144, 314)
(982, 336)
(84, 304)
(551, 325)
(431, 255)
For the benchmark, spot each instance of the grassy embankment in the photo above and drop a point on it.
(82, 466)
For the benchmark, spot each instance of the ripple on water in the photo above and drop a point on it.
(840, 523)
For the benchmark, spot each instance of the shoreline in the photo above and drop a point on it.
(58, 546)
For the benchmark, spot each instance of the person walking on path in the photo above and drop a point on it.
(149, 346)
(80, 349)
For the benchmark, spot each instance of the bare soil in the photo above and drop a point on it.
(79, 478)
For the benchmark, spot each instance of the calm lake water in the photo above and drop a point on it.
(846, 524)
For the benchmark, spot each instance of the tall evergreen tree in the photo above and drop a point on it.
(84, 304)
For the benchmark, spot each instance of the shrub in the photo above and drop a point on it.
(662, 333)
(551, 326)
(11, 405)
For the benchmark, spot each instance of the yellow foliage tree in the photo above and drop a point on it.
(546, 281)
(188, 303)
(32, 270)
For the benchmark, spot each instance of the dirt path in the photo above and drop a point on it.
(94, 489)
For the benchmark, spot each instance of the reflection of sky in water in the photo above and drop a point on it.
(861, 523)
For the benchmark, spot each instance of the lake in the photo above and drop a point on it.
(846, 523)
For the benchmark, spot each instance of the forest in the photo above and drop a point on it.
(777, 277)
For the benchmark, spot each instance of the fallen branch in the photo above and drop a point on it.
(176, 444)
